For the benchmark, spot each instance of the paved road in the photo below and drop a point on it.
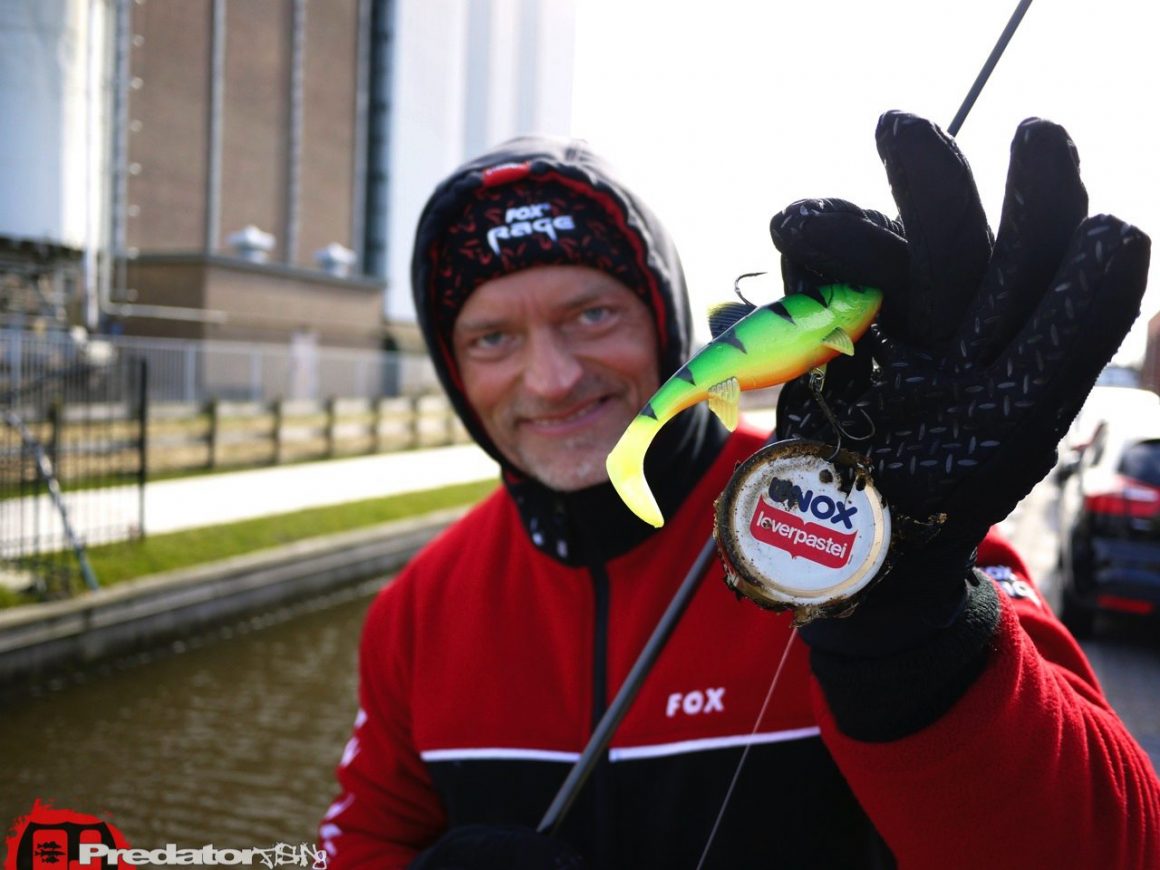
(1124, 652)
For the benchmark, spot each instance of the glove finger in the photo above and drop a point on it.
(837, 240)
(946, 228)
(1079, 323)
(1038, 385)
(1044, 203)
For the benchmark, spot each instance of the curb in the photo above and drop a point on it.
(40, 638)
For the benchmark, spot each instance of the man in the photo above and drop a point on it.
(949, 720)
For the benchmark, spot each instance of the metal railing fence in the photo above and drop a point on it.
(193, 370)
(72, 467)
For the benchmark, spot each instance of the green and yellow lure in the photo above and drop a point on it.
(752, 348)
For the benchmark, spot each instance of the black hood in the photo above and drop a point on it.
(684, 448)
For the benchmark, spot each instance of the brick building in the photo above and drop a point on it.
(250, 170)
(242, 154)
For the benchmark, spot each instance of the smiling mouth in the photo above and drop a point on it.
(561, 421)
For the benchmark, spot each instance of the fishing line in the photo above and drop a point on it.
(748, 745)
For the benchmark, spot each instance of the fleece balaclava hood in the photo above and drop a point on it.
(541, 201)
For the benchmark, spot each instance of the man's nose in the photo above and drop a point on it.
(552, 369)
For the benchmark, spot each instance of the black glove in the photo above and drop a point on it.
(981, 356)
(497, 847)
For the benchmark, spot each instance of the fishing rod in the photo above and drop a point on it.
(985, 73)
(616, 711)
(606, 727)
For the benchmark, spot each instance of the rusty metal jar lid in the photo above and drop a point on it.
(801, 527)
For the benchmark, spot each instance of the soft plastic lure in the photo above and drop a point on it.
(751, 348)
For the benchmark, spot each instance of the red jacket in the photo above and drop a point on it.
(485, 664)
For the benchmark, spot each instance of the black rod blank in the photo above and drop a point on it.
(616, 711)
(985, 72)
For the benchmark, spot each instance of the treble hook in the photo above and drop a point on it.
(817, 380)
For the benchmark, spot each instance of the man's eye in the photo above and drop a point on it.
(490, 340)
(596, 314)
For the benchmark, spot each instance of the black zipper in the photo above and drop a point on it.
(600, 784)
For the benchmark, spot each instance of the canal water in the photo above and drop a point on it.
(228, 739)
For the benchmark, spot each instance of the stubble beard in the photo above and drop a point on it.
(571, 464)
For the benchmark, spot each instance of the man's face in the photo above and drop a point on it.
(556, 361)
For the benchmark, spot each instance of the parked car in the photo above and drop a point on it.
(1102, 403)
(1109, 520)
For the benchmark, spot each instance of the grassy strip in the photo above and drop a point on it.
(115, 563)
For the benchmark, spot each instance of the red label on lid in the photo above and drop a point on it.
(811, 541)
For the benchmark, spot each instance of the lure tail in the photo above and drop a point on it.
(626, 461)
(626, 469)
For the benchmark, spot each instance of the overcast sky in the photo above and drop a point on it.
(721, 113)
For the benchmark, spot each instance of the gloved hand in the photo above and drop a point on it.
(497, 847)
(985, 352)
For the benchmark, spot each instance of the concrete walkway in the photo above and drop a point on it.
(207, 500)
(173, 505)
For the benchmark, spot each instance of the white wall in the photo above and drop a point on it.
(467, 75)
(52, 148)
(550, 81)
